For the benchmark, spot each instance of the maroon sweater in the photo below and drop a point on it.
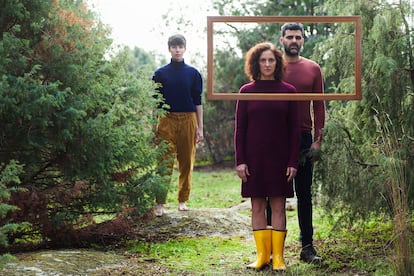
(306, 76)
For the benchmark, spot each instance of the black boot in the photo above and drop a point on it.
(309, 255)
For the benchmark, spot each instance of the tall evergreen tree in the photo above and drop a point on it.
(387, 98)
(369, 147)
(74, 116)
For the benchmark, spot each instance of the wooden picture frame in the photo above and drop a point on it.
(234, 95)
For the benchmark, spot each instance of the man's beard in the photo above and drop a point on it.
(294, 52)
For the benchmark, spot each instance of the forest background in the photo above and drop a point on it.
(77, 116)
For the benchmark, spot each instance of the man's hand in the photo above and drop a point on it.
(314, 152)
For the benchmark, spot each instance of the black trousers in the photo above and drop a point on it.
(303, 190)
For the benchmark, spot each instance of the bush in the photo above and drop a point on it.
(75, 117)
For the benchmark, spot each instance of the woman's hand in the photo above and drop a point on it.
(291, 173)
(242, 172)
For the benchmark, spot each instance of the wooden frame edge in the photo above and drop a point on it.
(357, 95)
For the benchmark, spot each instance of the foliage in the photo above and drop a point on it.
(372, 139)
(141, 62)
(397, 192)
(353, 180)
(351, 132)
(9, 181)
(219, 137)
(76, 117)
(247, 37)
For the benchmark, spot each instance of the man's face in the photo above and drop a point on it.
(292, 42)
(177, 52)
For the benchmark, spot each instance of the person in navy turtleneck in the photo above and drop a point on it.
(181, 86)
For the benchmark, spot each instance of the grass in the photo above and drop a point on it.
(199, 256)
(211, 189)
(362, 249)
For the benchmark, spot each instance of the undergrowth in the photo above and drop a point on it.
(364, 248)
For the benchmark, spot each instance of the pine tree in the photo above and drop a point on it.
(75, 116)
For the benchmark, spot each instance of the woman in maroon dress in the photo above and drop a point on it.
(266, 141)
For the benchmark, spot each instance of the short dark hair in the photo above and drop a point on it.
(252, 67)
(177, 39)
(292, 27)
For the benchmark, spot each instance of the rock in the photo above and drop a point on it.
(194, 223)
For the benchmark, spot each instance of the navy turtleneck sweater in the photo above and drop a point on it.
(181, 86)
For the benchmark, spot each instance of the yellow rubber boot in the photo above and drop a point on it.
(263, 239)
(278, 245)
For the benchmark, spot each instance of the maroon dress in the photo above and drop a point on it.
(267, 139)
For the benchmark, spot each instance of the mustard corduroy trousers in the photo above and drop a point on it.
(179, 130)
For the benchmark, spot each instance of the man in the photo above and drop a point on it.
(182, 126)
(306, 76)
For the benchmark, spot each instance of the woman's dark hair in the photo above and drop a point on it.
(175, 40)
(252, 67)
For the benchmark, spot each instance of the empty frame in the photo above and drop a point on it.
(234, 95)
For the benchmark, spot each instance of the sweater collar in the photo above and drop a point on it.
(177, 63)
